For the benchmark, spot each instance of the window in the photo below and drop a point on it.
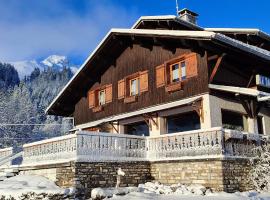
(138, 128)
(232, 120)
(260, 125)
(183, 70)
(101, 97)
(178, 72)
(134, 86)
(175, 75)
(97, 98)
(183, 122)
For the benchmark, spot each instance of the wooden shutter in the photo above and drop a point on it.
(160, 76)
(108, 93)
(191, 65)
(143, 81)
(91, 98)
(121, 89)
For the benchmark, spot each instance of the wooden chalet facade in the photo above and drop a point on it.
(166, 100)
(162, 60)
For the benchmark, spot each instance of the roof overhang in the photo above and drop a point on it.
(216, 38)
(167, 18)
(246, 31)
(261, 96)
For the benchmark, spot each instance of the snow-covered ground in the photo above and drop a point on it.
(156, 191)
(22, 184)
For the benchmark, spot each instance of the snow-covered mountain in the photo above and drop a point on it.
(56, 62)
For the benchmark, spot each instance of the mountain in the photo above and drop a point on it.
(55, 62)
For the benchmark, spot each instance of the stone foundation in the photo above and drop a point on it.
(221, 175)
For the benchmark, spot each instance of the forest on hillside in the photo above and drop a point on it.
(23, 104)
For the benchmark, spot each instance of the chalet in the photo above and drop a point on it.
(165, 100)
(168, 75)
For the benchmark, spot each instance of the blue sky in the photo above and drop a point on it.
(34, 29)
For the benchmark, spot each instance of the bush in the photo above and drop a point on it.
(260, 169)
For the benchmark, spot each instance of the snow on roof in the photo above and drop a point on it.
(241, 31)
(199, 35)
(165, 17)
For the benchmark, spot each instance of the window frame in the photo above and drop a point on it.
(137, 92)
(104, 96)
(179, 62)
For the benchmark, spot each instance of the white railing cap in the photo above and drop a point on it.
(187, 132)
(55, 139)
(6, 149)
(90, 133)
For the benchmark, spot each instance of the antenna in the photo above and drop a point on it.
(177, 8)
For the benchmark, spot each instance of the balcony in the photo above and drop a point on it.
(84, 146)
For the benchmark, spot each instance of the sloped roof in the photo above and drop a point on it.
(249, 31)
(193, 35)
(173, 18)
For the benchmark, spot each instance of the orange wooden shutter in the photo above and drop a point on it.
(143, 81)
(91, 98)
(160, 76)
(121, 89)
(191, 65)
(108, 93)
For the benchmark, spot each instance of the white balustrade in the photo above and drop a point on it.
(6, 152)
(84, 146)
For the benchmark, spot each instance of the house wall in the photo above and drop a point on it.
(216, 104)
(135, 59)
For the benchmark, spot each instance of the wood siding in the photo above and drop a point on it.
(139, 59)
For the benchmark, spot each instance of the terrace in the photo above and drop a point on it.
(85, 146)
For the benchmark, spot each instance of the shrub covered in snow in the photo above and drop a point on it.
(260, 169)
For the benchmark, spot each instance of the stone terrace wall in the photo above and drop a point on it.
(103, 174)
(221, 175)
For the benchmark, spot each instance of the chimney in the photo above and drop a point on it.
(188, 16)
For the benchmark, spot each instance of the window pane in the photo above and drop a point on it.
(232, 120)
(175, 73)
(133, 87)
(101, 97)
(183, 122)
(183, 70)
(139, 128)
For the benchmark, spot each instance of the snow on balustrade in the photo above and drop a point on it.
(186, 144)
(84, 146)
(6, 152)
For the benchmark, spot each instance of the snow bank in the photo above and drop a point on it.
(157, 191)
(22, 184)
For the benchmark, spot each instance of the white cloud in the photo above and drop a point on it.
(56, 29)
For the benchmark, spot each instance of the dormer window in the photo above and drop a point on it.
(101, 97)
(134, 86)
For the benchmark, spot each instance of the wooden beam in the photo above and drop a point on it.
(250, 80)
(214, 57)
(217, 65)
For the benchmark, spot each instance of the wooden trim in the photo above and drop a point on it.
(174, 87)
(131, 99)
(160, 76)
(97, 109)
(217, 65)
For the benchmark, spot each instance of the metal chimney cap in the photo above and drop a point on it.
(187, 11)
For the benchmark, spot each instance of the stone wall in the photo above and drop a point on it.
(228, 175)
(222, 175)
